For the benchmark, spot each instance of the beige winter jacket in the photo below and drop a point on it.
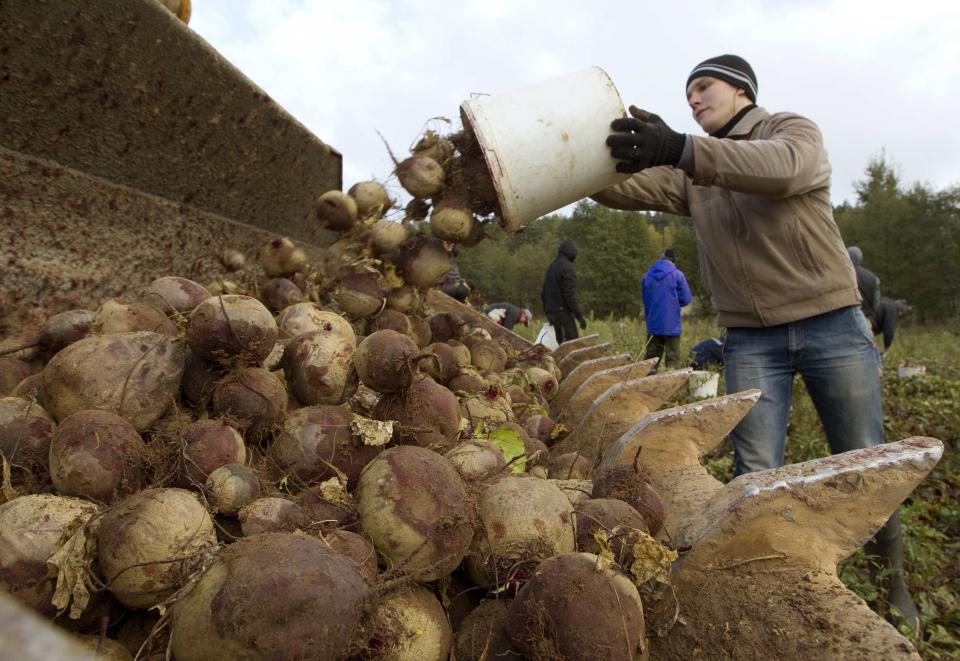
(770, 251)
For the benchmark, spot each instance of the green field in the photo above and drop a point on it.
(923, 406)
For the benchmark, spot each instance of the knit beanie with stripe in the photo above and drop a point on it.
(730, 68)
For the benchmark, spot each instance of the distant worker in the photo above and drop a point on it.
(707, 354)
(868, 284)
(508, 315)
(453, 285)
(665, 291)
(559, 294)
(885, 318)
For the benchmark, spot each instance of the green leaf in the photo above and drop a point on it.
(511, 446)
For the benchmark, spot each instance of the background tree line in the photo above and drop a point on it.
(910, 238)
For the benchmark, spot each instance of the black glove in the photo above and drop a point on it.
(644, 141)
(583, 323)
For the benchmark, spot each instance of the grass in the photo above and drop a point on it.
(924, 406)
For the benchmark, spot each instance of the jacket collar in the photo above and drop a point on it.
(744, 124)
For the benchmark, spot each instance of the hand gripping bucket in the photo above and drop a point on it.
(544, 145)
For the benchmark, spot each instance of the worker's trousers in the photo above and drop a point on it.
(835, 355)
(664, 347)
(564, 325)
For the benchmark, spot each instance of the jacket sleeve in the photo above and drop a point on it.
(886, 323)
(684, 295)
(654, 189)
(785, 160)
(568, 289)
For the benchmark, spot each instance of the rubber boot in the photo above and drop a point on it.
(888, 546)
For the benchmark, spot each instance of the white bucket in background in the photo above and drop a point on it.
(703, 384)
(908, 371)
(544, 145)
(547, 337)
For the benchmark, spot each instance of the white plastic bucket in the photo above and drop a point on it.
(547, 337)
(544, 145)
(910, 371)
(703, 384)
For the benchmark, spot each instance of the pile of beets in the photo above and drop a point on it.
(318, 467)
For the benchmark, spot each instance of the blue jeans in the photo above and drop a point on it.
(840, 365)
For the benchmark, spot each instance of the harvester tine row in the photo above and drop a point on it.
(581, 373)
(577, 356)
(618, 409)
(666, 448)
(637, 395)
(587, 340)
(759, 580)
(595, 385)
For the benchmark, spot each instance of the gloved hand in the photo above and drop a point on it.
(583, 323)
(644, 141)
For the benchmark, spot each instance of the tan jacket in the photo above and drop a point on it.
(770, 251)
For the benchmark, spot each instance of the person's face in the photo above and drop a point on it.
(714, 102)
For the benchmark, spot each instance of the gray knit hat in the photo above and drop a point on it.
(731, 68)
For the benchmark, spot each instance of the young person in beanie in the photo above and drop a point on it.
(757, 188)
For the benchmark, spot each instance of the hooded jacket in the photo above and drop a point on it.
(867, 282)
(770, 251)
(665, 291)
(885, 319)
(559, 293)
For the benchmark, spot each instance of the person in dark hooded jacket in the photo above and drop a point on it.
(665, 291)
(885, 318)
(559, 293)
(868, 284)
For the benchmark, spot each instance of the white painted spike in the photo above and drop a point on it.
(628, 399)
(584, 371)
(815, 513)
(667, 446)
(587, 340)
(618, 409)
(759, 579)
(573, 359)
(596, 384)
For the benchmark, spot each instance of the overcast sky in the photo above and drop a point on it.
(877, 76)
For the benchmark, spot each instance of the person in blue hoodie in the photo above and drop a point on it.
(665, 291)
